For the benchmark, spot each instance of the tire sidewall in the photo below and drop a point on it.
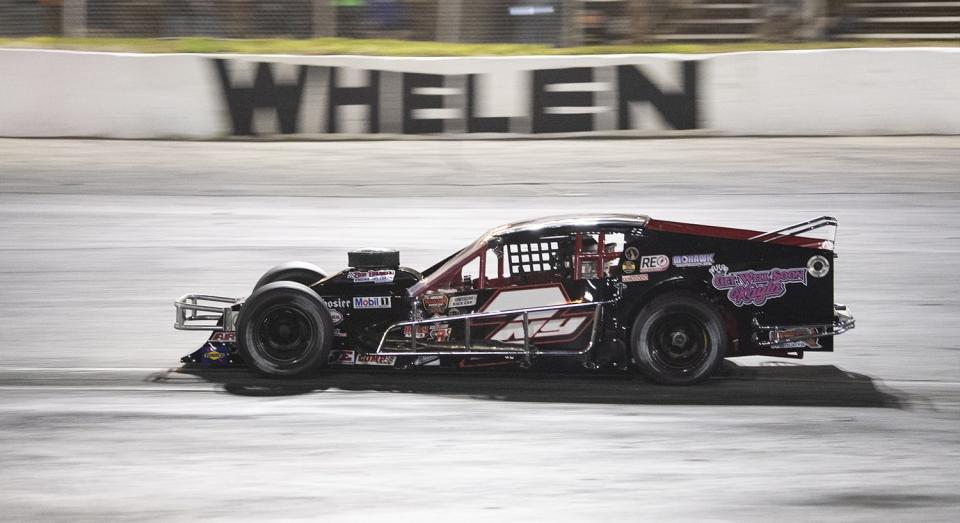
(293, 295)
(661, 307)
(301, 272)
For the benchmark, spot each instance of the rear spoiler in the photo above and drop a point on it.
(800, 228)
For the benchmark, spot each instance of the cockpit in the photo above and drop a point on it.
(536, 252)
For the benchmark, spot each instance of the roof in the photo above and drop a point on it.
(572, 220)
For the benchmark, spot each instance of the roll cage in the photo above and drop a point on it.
(525, 252)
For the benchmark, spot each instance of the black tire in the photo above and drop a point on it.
(678, 339)
(300, 272)
(284, 330)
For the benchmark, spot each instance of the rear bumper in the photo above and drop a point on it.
(801, 337)
(202, 312)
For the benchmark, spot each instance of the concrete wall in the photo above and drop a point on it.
(849, 92)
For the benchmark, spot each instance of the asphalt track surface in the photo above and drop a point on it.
(97, 420)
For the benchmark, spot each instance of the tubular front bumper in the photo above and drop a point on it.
(201, 312)
(788, 336)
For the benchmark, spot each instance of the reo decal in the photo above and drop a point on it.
(693, 260)
(381, 276)
(372, 302)
(468, 300)
(654, 263)
(755, 287)
(335, 316)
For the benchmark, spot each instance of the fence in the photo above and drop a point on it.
(554, 22)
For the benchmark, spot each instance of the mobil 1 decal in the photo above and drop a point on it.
(263, 98)
(752, 287)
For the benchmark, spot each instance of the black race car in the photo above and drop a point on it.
(610, 291)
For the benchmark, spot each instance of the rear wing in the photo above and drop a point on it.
(802, 227)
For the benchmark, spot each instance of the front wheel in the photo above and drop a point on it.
(300, 272)
(678, 339)
(284, 330)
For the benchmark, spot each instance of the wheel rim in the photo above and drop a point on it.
(678, 343)
(284, 335)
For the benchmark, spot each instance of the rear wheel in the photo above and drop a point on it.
(678, 339)
(284, 330)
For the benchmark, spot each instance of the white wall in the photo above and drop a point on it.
(846, 92)
(842, 92)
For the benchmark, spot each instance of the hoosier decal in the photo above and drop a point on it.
(337, 303)
(755, 287)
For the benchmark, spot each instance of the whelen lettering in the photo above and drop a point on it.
(605, 100)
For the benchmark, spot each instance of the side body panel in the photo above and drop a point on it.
(750, 281)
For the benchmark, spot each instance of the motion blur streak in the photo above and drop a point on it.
(98, 237)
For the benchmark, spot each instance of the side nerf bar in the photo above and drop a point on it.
(195, 312)
(778, 335)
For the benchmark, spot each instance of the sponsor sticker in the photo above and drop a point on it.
(372, 302)
(786, 334)
(631, 278)
(226, 337)
(654, 263)
(467, 300)
(628, 267)
(755, 287)
(631, 253)
(378, 276)
(336, 316)
(435, 303)
(337, 303)
(214, 352)
(341, 357)
(440, 333)
(375, 359)
(693, 260)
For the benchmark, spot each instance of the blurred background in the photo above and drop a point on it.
(98, 421)
(553, 22)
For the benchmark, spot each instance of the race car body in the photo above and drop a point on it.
(613, 291)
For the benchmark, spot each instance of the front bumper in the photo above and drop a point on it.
(202, 312)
